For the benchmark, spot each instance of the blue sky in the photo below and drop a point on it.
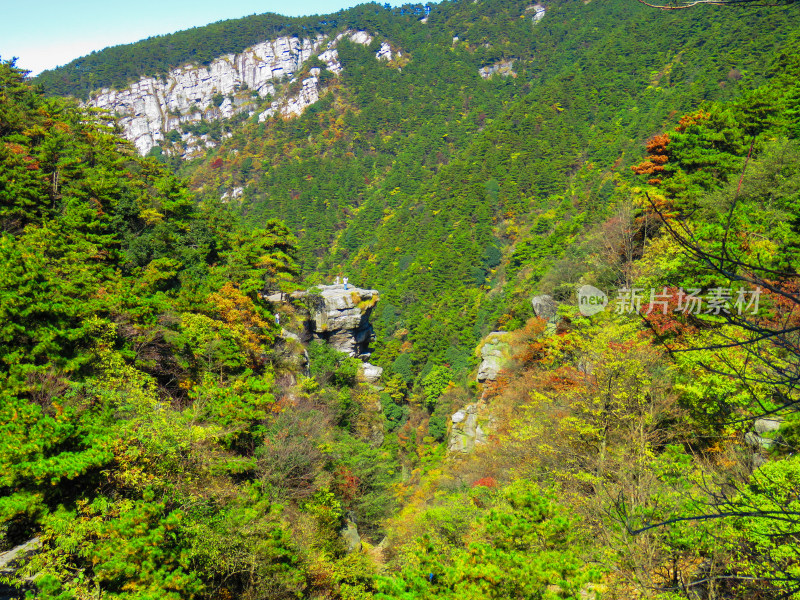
(48, 33)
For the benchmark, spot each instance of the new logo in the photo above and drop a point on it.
(591, 300)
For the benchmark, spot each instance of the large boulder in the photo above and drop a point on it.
(371, 373)
(767, 425)
(544, 306)
(765, 433)
(340, 316)
(494, 355)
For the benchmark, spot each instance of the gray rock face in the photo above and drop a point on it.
(371, 373)
(336, 315)
(544, 307)
(385, 52)
(756, 441)
(7, 559)
(290, 351)
(293, 106)
(538, 12)
(154, 106)
(766, 425)
(351, 537)
(761, 427)
(10, 561)
(340, 317)
(494, 355)
(471, 427)
(503, 68)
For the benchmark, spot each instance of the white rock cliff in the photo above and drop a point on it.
(231, 84)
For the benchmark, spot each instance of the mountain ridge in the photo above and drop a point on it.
(114, 67)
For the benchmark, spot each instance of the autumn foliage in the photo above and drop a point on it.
(657, 157)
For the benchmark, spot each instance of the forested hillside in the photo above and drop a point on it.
(495, 178)
(146, 440)
(169, 430)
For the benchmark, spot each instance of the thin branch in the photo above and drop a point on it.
(715, 3)
(761, 513)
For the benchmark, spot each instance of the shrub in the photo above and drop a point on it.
(329, 365)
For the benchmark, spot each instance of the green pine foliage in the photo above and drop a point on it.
(497, 178)
(165, 437)
(144, 409)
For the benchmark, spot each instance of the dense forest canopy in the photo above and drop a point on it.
(528, 161)
(169, 430)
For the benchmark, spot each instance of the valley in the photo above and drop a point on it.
(292, 307)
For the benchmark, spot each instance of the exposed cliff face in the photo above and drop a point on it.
(470, 427)
(340, 316)
(152, 107)
(494, 352)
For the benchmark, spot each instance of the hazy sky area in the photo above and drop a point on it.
(47, 33)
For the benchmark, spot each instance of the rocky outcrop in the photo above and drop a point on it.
(470, 428)
(232, 194)
(385, 52)
(290, 352)
(538, 11)
(10, 562)
(766, 425)
(544, 307)
(371, 373)
(351, 537)
(10, 557)
(154, 106)
(293, 106)
(340, 316)
(765, 433)
(494, 353)
(503, 68)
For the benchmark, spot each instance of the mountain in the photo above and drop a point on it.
(173, 394)
(514, 118)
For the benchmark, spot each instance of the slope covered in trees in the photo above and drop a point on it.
(163, 442)
(143, 431)
(495, 178)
